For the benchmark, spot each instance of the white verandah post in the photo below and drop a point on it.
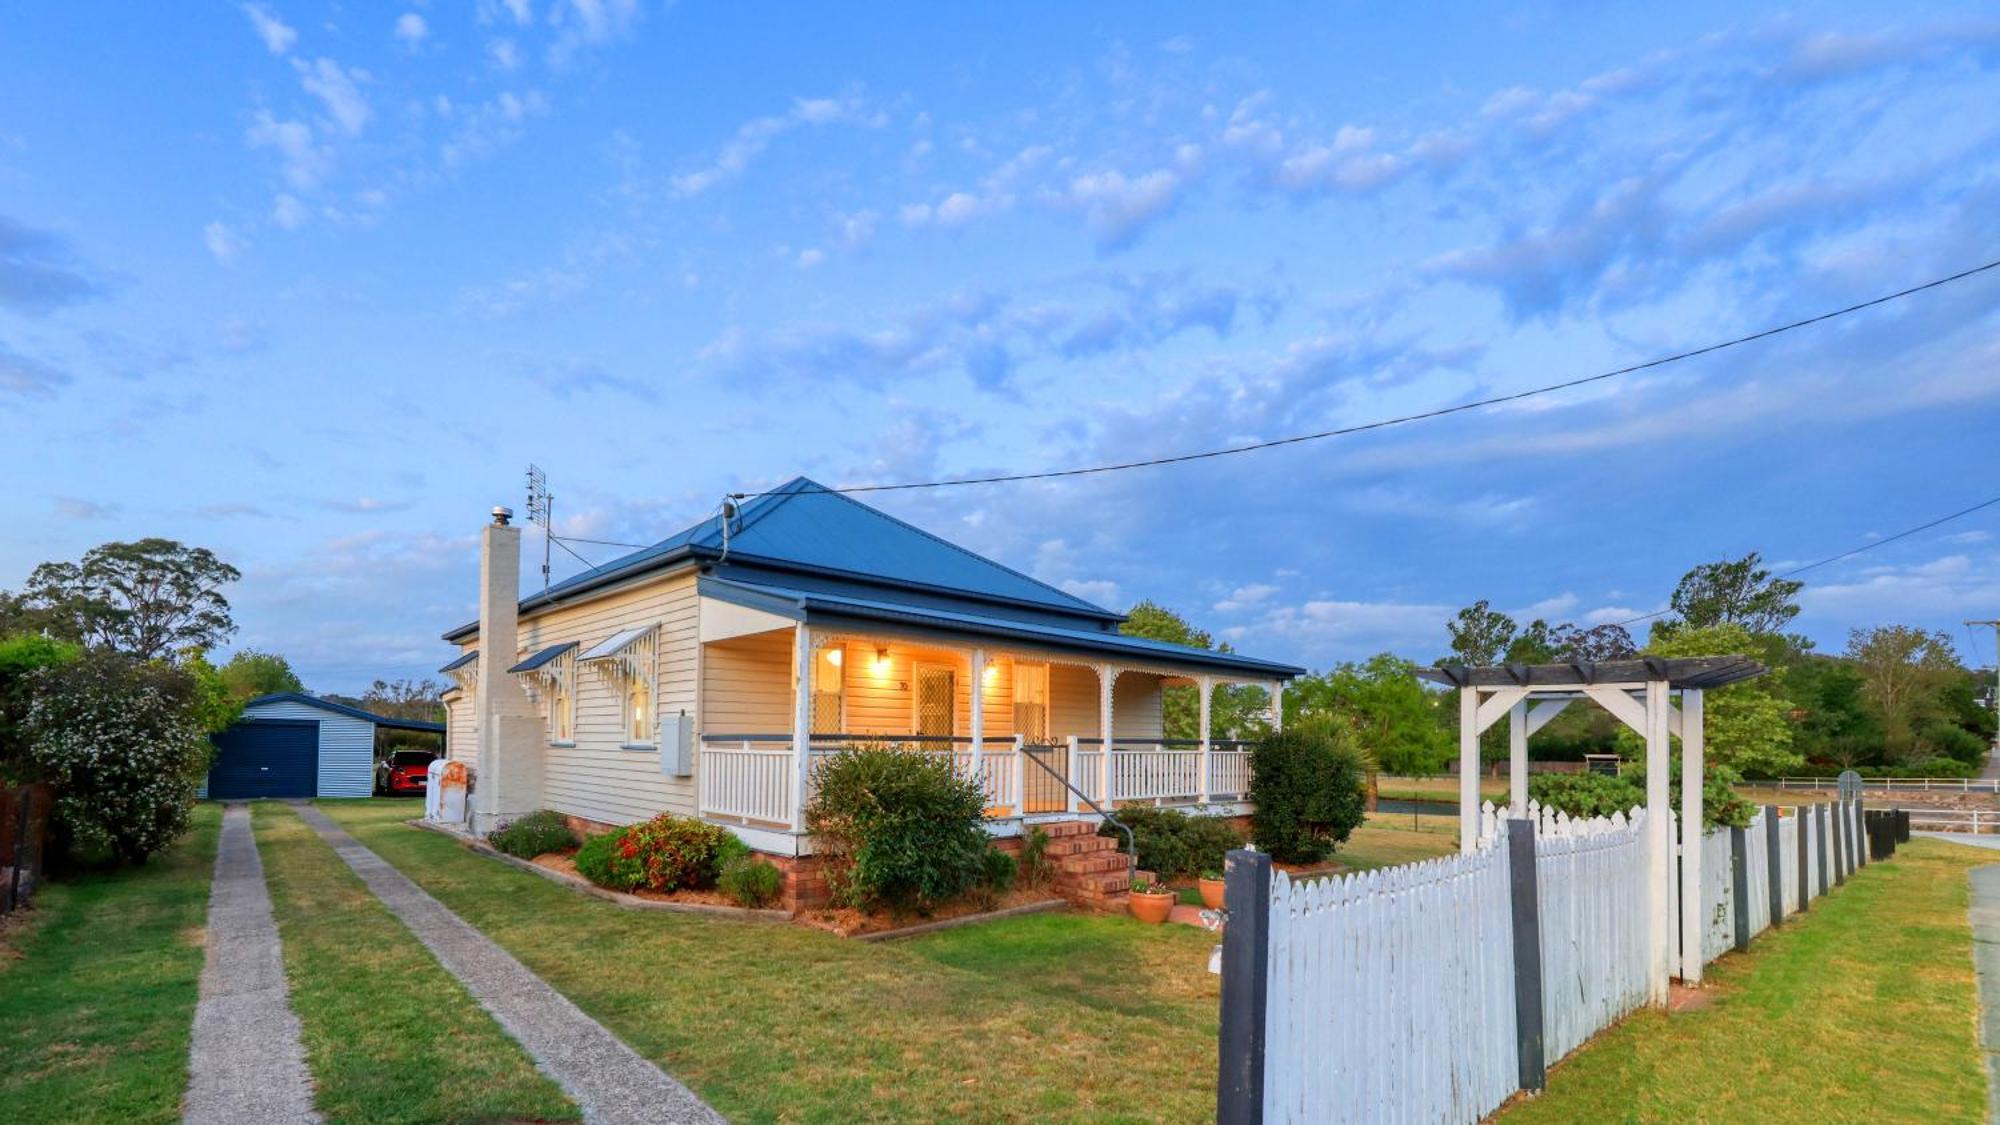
(1206, 685)
(979, 719)
(1468, 768)
(1107, 679)
(1692, 739)
(802, 656)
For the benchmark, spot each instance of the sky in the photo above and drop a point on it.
(312, 284)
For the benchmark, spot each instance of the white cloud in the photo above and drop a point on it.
(810, 258)
(338, 89)
(1246, 597)
(277, 37)
(411, 28)
(1548, 608)
(588, 23)
(756, 135)
(1117, 207)
(222, 242)
(288, 212)
(503, 54)
(1098, 591)
(305, 163)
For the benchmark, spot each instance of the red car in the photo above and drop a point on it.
(404, 773)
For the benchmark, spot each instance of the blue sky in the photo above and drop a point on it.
(311, 284)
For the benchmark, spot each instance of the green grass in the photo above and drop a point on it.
(98, 983)
(1387, 841)
(1436, 788)
(1865, 1009)
(1060, 1016)
(389, 1034)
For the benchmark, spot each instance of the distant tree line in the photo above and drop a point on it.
(1896, 699)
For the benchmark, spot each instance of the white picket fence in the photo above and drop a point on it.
(1392, 994)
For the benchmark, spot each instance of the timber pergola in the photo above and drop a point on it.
(1640, 694)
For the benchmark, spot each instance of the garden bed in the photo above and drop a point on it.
(880, 924)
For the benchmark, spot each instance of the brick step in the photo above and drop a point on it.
(1060, 828)
(1108, 882)
(1079, 845)
(1092, 863)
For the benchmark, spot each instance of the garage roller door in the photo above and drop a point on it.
(266, 758)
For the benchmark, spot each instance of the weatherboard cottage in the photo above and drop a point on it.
(704, 675)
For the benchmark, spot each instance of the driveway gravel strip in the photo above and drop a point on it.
(609, 1081)
(246, 1063)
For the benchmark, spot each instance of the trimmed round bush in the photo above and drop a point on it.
(537, 833)
(675, 851)
(751, 881)
(897, 829)
(1309, 783)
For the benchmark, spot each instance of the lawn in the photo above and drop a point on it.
(1388, 841)
(1865, 1009)
(1046, 1016)
(389, 1034)
(98, 983)
(1436, 788)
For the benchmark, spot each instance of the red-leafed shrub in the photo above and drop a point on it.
(666, 853)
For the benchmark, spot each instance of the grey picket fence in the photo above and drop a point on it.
(1434, 991)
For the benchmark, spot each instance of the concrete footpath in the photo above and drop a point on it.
(609, 1081)
(1986, 961)
(246, 1063)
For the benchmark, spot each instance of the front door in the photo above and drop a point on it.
(934, 696)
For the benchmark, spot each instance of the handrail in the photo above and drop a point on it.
(1131, 848)
(888, 739)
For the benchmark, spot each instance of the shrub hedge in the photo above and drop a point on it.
(897, 829)
(1172, 844)
(535, 834)
(1309, 784)
(666, 853)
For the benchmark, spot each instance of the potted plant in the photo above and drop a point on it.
(1211, 889)
(1151, 900)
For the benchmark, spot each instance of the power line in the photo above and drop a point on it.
(1385, 423)
(599, 542)
(1850, 553)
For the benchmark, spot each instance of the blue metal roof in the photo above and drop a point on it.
(543, 657)
(803, 528)
(462, 660)
(820, 606)
(343, 709)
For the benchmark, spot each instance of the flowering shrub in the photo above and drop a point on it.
(121, 742)
(666, 853)
(534, 834)
(897, 829)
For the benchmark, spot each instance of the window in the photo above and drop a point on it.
(1031, 702)
(638, 711)
(562, 715)
(829, 690)
(934, 696)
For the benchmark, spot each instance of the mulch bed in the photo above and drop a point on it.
(856, 923)
(565, 862)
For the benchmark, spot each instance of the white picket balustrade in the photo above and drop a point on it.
(1718, 895)
(1591, 882)
(1002, 780)
(747, 780)
(1229, 773)
(1155, 774)
(1087, 772)
(1392, 988)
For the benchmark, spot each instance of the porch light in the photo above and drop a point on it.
(833, 657)
(991, 675)
(881, 666)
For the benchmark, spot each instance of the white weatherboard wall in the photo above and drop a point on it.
(346, 746)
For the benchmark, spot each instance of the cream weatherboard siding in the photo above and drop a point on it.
(599, 776)
(461, 729)
(346, 746)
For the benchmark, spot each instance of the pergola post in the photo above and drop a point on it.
(1468, 768)
(1517, 759)
(1691, 834)
(1659, 832)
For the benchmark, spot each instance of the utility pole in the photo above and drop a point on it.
(1995, 625)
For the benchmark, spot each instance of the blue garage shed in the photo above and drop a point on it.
(298, 745)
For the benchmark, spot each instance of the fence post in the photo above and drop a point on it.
(1825, 820)
(1246, 977)
(1839, 814)
(1739, 884)
(1805, 844)
(1861, 855)
(1528, 1033)
(1775, 862)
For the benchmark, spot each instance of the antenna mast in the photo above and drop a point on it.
(541, 513)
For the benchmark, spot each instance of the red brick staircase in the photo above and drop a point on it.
(1090, 870)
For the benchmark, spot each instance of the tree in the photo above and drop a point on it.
(251, 673)
(20, 657)
(1595, 644)
(1831, 722)
(1236, 711)
(1741, 592)
(150, 598)
(119, 740)
(400, 699)
(1388, 709)
(1480, 634)
(1905, 673)
(1748, 723)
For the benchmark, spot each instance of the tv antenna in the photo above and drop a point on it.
(541, 513)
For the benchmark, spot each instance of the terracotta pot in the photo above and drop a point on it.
(1152, 908)
(1211, 893)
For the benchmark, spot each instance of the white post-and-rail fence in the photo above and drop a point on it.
(1434, 991)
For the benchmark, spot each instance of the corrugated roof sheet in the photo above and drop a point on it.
(615, 643)
(543, 657)
(462, 660)
(343, 709)
(818, 604)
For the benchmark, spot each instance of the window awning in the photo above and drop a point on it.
(460, 662)
(616, 644)
(543, 657)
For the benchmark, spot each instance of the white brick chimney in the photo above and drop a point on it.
(507, 777)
